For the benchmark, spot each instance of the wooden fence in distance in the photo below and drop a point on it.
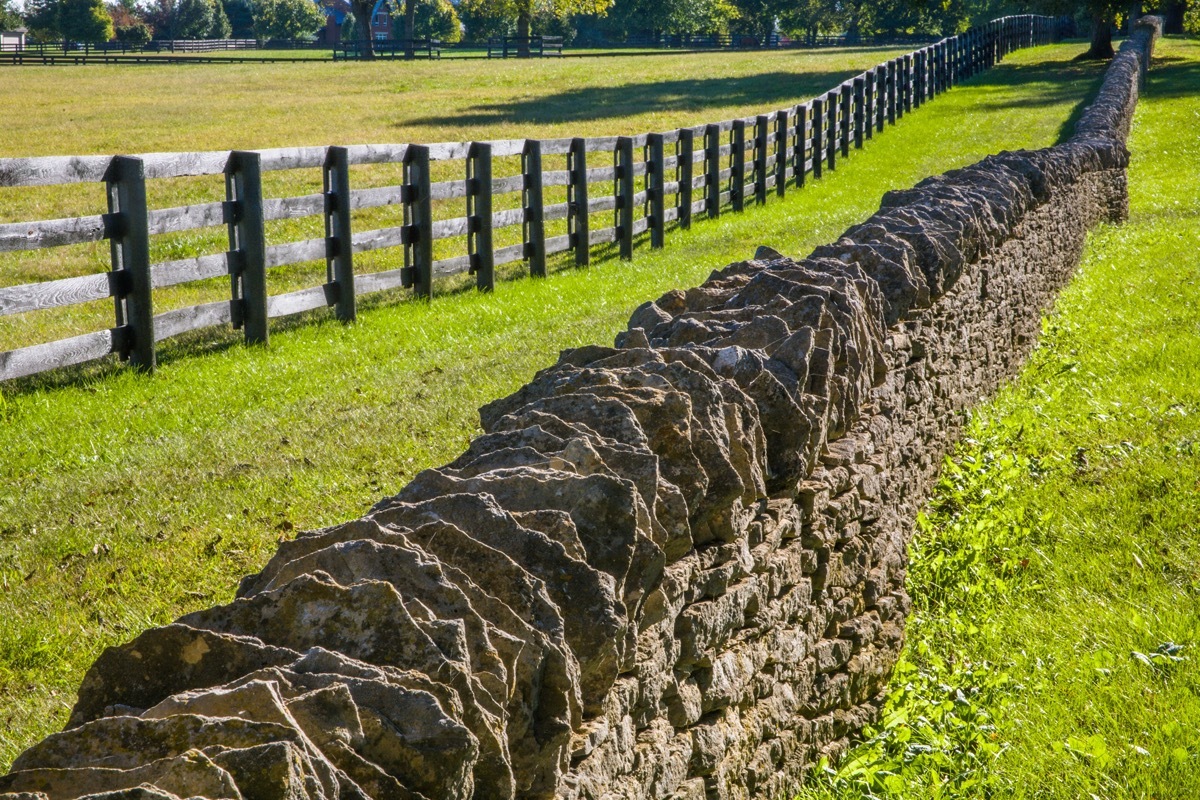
(672, 177)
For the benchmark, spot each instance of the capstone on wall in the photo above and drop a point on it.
(672, 568)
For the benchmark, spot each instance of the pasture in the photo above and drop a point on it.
(129, 500)
(222, 107)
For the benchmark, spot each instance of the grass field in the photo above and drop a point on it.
(126, 500)
(228, 106)
(1054, 649)
(79, 110)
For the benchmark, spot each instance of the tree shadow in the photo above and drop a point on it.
(766, 90)
(1046, 83)
(1171, 76)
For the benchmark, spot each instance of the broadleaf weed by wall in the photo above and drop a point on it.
(938, 734)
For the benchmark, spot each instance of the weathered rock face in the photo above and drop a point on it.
(672, 568)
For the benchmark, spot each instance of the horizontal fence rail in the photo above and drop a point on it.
(650, 184)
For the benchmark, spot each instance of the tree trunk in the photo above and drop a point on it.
(523, 26)
(410, 28)
(1101, 38)
(362, 27)
(1174, 17)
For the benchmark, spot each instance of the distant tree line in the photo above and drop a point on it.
(139, 21)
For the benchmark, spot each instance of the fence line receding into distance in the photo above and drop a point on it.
(673, 177)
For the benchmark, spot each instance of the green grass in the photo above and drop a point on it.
(1054, 647)
(126, 500)
(75, 111)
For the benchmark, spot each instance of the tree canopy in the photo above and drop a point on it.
(286, 19)
(84, 21)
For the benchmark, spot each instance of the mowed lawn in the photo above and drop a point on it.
(127, 500)
(134, 109)
(1054, 647)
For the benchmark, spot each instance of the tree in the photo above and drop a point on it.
(286, 19)
(220, 28)
(436, 19)
(84, 21)
(136, 34)
(1191, 21)
(654, 17)
(42, 19)
(191, 19)
(757, 17)
(806, 19)
(241, 18)
(9, 18)
(1103, 15)
(362, 11)
(485, 18)
(523, 11)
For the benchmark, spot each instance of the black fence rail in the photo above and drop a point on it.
(389, 49)
(649, 184)
(524, 46)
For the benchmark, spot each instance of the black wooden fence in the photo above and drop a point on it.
(426, 48)
(536, 46)
(672, 177)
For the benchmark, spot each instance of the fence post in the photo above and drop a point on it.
(919, 79)
(577, 201)
(800, 144)
(891, 92)
(656, 199)
(762, 131)
(128, 222)
(859, 114)
(818, 135)
(869, 103)
(418, 222)
(929, 72)
(847, 120)
(781, 150)
(684, 162)
(479, 216)
(712, 170)
(623, 166)
(880, 97)
(905, 85)
(935, 70)
(831, 127)
(339, 251)
(247, 245)
(737, 165)
(941, 60)
(534, 226)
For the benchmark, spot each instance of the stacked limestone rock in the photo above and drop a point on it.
(673, 568)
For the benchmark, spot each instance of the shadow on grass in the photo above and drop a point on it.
(766, 89)
(1173, 77)
(1044, 84)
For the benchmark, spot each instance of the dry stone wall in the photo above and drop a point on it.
(672, 568)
